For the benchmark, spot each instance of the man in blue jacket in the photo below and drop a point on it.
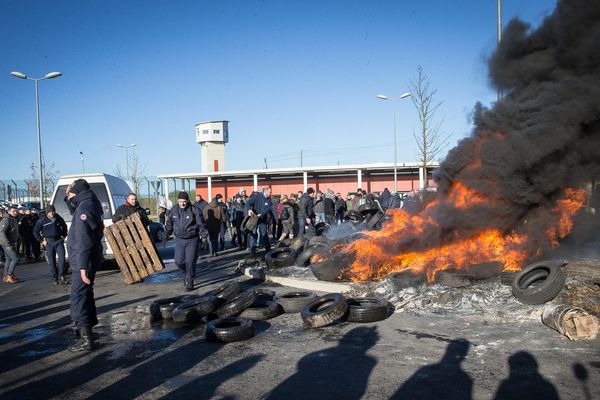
(85, 255)
(51, 230)
(261, 206)
(186, 222)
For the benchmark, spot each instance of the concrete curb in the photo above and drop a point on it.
(317, 286)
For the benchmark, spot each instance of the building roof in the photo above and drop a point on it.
(210, 122)
(297, 170)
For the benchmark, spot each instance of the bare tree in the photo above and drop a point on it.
(50, 175)
(136, 172)
(430, 141)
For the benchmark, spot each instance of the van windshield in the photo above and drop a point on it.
(98, 188)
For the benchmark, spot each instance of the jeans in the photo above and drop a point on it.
(56, 248)
(11, 260)
(259, 235)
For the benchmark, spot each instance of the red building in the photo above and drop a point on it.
(340, 178)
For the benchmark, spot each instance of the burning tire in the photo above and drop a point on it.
(303, 260)
(353, 216)
(486, 270)
(324, 310)
(279, 258)
(367, 310)
(368, 208)
(315, 240)
(261, 310)
(294, 302)
(226, 292)
(155, 312)
(538, 284)
(375, 220)
(238, 304)
(403, 279)
(326, 271)
(229, 329)
(195, 309)
(454, 278)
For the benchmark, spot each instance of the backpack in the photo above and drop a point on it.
(285, 214)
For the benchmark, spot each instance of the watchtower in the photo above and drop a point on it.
(212, 136)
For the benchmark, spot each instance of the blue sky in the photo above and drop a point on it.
(288, 75)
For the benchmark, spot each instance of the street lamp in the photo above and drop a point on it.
(127, 147)
(393, 100)
(37, 112)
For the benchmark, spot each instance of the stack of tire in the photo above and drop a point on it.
(317, 311)
(372, 215)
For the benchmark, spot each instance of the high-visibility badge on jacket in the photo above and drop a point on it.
(83, 217)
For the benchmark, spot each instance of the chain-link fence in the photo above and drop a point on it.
(19, 191)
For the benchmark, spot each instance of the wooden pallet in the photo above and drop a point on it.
(133, 249)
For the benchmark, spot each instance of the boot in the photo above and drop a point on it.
(63, 280)
(189, 285)
(11, 279)
(85, 342)
(5, 279)
(55, 281)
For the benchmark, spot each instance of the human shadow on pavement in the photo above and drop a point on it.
(205, 386)
(46, 339)
(524, 380)
(340, 372)
(7, 314)
(444, 380)
(153, 373)
(581, 373)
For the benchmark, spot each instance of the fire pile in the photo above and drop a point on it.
(509, 192)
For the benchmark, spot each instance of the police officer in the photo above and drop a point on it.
(186, 222)
(85, 256)
(51, 230)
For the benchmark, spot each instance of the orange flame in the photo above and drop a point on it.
(373, 258)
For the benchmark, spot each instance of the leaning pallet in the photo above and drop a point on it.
(134, 251)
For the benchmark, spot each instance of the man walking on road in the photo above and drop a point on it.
(85, 256)
(9, 236)
(261, 206)
(51, 230)
(186, 222)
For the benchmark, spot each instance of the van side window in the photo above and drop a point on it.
(98, 188)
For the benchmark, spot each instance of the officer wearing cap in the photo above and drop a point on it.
(186, 222)
(51, 230)
(85, 256)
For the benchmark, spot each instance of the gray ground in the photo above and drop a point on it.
(407, 356)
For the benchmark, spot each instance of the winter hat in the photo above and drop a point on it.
(79, 186)
(50, 208)
(183, 196)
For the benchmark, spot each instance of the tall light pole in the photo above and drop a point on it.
(394, 100)
(127, 147)
(37, 112)
(499, 5)
(82, 162)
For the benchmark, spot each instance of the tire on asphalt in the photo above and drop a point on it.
(294, 302)
(281, 257)
(326, 271)
(538, 284)
(507, 277)
(454, 278)
(238, 304)
(263, 294)
(194, 309)
(367, 310)
(261, 310)
(324, 310)
(226, 291)
(166, 309)
(155, 313)
(229, 329)
(403, 279)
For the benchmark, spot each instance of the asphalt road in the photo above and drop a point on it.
(404, 357)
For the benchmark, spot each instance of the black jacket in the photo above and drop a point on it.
(185, 223)
(50, 229)
(305, 208)
(384, 199)
(87, 226)
(125, 210)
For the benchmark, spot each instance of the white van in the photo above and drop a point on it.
(110, 190)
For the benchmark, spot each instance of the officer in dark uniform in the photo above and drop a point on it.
(85, 256)
(51, 230)
(186, 222)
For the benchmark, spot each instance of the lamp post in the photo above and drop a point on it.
(393, 100)
(37, 112)
(127, 147)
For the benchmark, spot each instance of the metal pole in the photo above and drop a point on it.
(127, 162)
(395, 153)
(499, 4)
(39, 138)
